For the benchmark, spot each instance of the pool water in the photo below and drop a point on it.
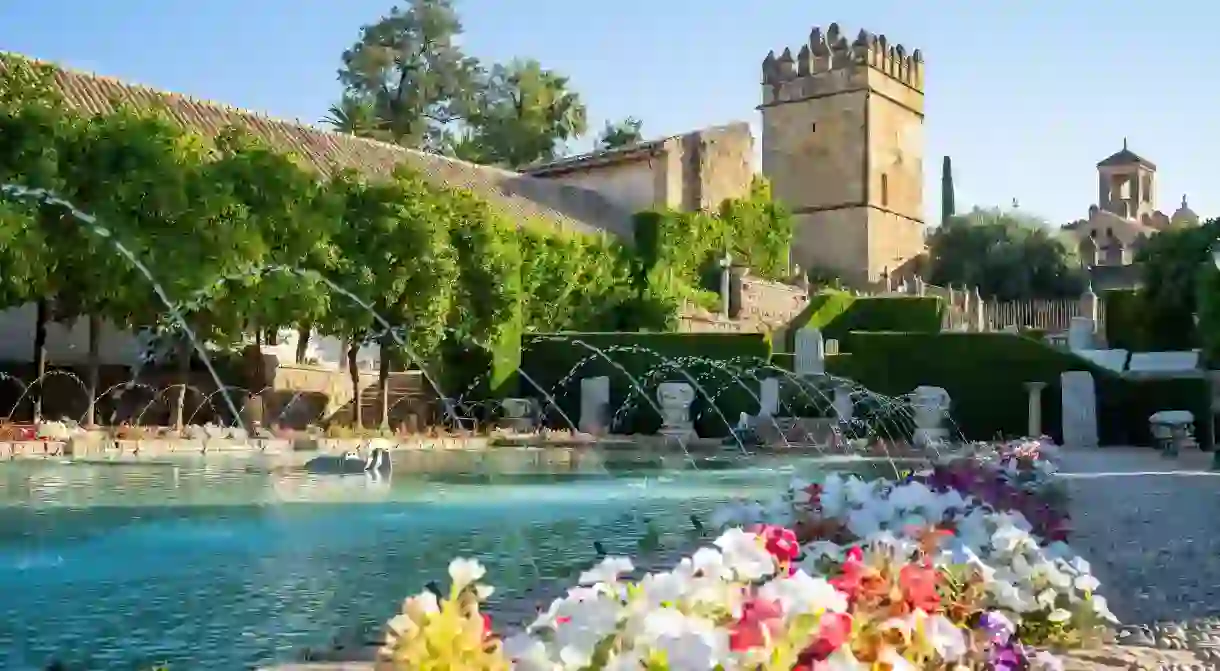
(205, 565)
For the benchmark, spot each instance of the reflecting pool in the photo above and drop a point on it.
(235, 564)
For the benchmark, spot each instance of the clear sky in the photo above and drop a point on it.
(1025, 96)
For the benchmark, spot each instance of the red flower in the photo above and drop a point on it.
(918, 583)
(780, 542)
(851, 575)
(487, 631)
(759, 621)
(833, 631)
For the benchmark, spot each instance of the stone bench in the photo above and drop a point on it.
(1173, 430)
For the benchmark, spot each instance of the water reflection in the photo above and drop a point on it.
(208, 565)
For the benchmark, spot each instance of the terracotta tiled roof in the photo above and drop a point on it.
(519, 196)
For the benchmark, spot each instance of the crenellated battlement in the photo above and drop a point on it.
(831, 51)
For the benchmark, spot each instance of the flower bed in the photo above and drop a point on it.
(845, 574)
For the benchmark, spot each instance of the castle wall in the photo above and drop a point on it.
(695, 171)
(630, 183)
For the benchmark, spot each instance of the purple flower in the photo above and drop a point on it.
(998, 628)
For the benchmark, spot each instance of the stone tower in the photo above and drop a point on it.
(843, 146)
(1126, 184)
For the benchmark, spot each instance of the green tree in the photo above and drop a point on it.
(1007, 255)
(524, 115)
(286, 224)
(409, 68)
(759, 230)
(1170, 265)
(620, 133)
(32, 128)
(394, 257)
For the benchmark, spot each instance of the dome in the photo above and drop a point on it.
(1184, 216)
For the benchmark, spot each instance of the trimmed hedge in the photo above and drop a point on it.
(549, 358)
(1143, 397)
(984, 374)
(1126, 322)
(838, 313)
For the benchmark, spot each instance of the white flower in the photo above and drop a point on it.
(801, 593)
(527, 653)
(606, 571)
(745, 555)
(465, 571)
(1059, 615)
(1086, 583)
(1102, 608)
(945, 637)
(689, 643)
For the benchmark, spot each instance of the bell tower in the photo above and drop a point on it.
(1126, 184)
(843, 147)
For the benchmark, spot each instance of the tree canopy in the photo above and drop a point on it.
(620, 133)
(1008, 255)
(407, 80)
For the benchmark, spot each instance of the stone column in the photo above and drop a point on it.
(726, 265)
(977, 322)
(1034, 428)
(920, 288)
(1090, 308)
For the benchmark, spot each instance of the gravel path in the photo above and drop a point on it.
(1151, 528)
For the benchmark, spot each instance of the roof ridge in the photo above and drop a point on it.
(224, 106)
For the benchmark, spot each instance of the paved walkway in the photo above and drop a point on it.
(1151, 528)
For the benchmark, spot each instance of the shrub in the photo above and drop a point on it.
(984, 374)
(549, 359)
(838, 313)
(1126, 325)
(1143, 397)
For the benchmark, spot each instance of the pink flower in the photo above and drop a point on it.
(760, 620)
(780, 542)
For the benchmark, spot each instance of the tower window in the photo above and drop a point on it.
(885, 190)
(813, 127)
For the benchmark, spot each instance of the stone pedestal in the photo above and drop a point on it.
(1034, 427)
(768, 397)
(517, 414)
(675, 399)
(1079, 409)
(594, 405)
(810, 352)
(1080, 333)
(844, 406)
(931, 408)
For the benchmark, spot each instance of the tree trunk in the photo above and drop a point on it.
(94, 373)
(184, 376)
(303, 334)
(42, 316)
(353, 348)
(383, 378)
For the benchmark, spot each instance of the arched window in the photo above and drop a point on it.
(885, 190)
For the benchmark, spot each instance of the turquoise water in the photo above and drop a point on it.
(234, 565)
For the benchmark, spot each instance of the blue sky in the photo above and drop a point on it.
(1025, 96)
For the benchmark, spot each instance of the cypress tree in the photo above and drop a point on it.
(947, 205)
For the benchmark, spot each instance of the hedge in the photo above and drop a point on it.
(838, 313)
(549, 358)
(984, 374)
(1126, 321)
(1143, 397)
